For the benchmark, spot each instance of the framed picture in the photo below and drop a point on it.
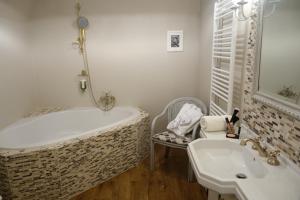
(175, 41)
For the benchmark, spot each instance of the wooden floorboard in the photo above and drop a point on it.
(167, 182)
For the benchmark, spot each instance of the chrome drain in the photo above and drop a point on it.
(241, 176)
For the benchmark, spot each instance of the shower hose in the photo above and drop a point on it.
(86, 66)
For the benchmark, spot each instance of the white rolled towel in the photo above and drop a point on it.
(214, 123)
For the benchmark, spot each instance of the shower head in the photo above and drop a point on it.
(83, 22)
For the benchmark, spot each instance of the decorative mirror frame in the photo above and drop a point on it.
(281, 105)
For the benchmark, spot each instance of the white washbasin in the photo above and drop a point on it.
(217, 162)
(232, 158)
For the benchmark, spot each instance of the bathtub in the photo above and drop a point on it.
(60, 126)
(61, 154)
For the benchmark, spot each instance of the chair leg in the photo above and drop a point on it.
(190, 172)
(167, 152)
(152, 156)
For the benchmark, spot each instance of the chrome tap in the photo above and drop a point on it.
(256, 146)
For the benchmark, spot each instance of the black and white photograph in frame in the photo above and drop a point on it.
(175, 41)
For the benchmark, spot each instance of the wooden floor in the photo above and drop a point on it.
(167, 182)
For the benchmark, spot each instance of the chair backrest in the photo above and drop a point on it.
(174, 106)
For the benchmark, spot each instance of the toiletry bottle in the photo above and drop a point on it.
(230, 125)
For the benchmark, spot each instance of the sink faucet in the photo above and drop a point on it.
(256, 146)
(272, 158)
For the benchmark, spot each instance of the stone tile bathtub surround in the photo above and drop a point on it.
(280, 130)
(63, 170)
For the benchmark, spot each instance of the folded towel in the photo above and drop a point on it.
(187, 117)
(214, 123)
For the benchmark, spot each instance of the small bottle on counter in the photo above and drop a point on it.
(231, 125)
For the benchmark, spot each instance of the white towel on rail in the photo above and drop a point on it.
(187, 117)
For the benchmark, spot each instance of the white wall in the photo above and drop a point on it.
(205, 42)
(126, 43)
(17, 78)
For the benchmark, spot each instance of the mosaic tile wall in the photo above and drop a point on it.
(61, 171)
(280, 130)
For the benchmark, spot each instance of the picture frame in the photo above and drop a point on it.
(175, 41)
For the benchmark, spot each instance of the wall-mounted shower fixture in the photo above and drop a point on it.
(85, 81)
(107, 101)
(82, 24)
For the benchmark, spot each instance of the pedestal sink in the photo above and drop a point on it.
(228, 168)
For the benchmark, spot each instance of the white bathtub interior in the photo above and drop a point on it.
(60, 126)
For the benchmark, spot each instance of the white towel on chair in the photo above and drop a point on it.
(188, 115)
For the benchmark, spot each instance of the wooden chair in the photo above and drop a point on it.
(169, 139)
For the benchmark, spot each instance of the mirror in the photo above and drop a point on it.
(278, 77)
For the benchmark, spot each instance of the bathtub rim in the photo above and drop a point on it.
(32, 118)
(141, 114)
